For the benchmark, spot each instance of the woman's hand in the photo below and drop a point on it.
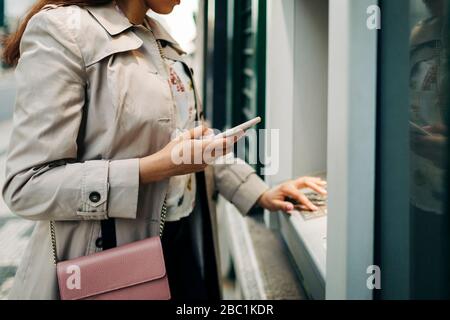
(432, 147)
(189, 153)
(275, 199)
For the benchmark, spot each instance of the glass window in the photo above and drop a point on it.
(414, 236)
(428, 146)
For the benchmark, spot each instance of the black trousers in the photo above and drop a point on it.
(183, 268)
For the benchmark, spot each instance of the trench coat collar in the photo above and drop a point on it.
(115, 23)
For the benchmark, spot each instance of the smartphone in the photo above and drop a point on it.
(233, 131)
(418, 129)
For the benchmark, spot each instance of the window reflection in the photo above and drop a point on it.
(428, 145)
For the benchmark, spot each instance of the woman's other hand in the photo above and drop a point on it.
(432, 147)
(276, 198)
(191, 152)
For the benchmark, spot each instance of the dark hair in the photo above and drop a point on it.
(11, 52)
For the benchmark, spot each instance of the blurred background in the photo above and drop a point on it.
(14, 232)
(365, 107)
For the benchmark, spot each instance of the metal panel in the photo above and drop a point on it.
(351, 149)
(311, 87)
(280, 90)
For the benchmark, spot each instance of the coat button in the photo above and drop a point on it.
(99, 243)
(95, 197)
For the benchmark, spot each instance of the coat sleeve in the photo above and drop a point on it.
(238, 183)
(44, 181)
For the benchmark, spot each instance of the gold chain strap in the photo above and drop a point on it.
(164, 207)
(161, 51)
(163, 218)
(53, 235)
(53, 231)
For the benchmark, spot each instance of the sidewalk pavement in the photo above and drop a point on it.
(14, 231)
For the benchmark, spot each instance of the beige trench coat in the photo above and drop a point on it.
(86, 62)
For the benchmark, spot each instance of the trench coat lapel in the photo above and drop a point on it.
(115, 23)
(124, 39)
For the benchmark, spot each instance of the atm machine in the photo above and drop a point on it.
(321, 95)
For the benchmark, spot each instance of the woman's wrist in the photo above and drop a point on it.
(153, 169)
(264, 201)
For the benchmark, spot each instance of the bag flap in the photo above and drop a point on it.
(110, 270)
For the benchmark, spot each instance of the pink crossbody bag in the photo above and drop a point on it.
(134, 271)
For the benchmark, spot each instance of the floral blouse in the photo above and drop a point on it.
(181, 194)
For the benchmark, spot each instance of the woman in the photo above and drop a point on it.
(102, 88)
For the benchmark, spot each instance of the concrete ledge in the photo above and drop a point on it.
(257, 257)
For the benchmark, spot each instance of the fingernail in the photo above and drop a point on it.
(289, 207)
